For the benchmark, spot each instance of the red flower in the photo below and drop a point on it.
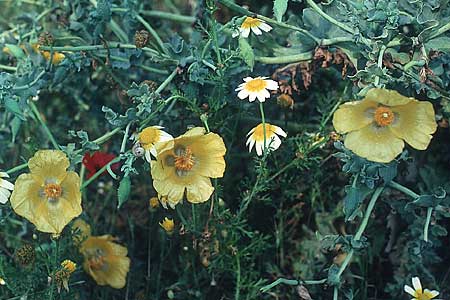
(96, 161)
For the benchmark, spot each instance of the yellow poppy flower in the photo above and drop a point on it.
(186, 164)
(418, 293)
(255, 25)
(378, 126)
(49, 196)
(154, 202)
(105, 261)
(57, 56)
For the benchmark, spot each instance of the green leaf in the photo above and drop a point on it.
(441, 43)
(246, 52)
(279, 8)
(15, 126)
(123, 192)
(353, 199)
(15, 50)
(13, 107)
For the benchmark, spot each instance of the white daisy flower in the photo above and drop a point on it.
(5, 188)
(256, 88)
(256, 137)
(255, 25)
(149, 137)
(418, 293)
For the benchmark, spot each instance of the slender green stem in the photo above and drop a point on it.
(167, 81)
(362, 227)
(106, 136)
(440, 31)
(44, 126)
(380, 63)
(335, 292)
(110, 45)
(329, 18)
(263, 121)
(28, 85)
(284, 59)
(233, 6)
(153, 33)
(99, 172)
(118, 31)
(125, 138)
(403, 189)
(17, 168)
(238, 277)
(427, 224)
(168, 16)
(291, 282)
(8, 68)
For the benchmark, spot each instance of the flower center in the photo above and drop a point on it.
(258, 134)
(383, 116)
(52, 191)
(250, 22)
(185, 160)
(255, 85)
(422, 296)
(97, 261)
(149, 135)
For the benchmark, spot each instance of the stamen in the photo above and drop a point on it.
(383, 116)
(52, 191)
(184, 161)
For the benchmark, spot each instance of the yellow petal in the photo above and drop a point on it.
(25, 198)
(194, 132)
(208, 151)
(173, 188)
(415, 122)
(353, 115)
(117, 275)
(47, 164)
(200, 190)
(387, 97)
(374, 143)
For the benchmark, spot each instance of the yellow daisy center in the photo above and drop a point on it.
(423, 296)
(52, 191)
(258, 134)
(184, 161)
(250, 22)
(255, 85)
(149, 135)
(383, 116)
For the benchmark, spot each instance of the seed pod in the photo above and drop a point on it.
(46, 39)
(138, 150)
(141, 38)
(25, 255)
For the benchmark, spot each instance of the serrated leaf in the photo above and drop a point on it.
(246, 52)
(279, 8)
(123, 192)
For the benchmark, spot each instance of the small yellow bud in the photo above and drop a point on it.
(154, 202)
(168, 225)
(69, 265)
